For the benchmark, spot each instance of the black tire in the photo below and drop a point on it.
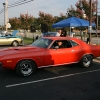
(86, 61)
(25, 68)
(15, 43)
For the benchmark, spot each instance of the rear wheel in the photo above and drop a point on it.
(86, 61)
(14, 43)
(25, 68)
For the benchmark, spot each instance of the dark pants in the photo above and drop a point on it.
(88, 40)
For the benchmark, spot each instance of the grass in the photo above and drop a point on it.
(27, 40)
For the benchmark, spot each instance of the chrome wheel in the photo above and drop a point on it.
(25, 68)
(15, 43)
(86, 61)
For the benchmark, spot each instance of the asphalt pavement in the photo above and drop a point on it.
(70, 82)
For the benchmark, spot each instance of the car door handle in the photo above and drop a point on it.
(72, 50)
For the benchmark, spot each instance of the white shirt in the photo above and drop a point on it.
(71, 34)
(57, 34)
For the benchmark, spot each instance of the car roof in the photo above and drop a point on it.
(60, 38)
(79, 41)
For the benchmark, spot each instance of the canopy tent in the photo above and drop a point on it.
(72, 22)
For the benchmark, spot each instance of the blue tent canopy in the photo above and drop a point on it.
(72, 22)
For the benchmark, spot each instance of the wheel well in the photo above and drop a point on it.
(87, 54)
(92, 55)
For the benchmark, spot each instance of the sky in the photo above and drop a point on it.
(53, 7)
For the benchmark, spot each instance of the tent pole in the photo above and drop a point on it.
(70, 32)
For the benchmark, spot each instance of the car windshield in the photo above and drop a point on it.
(42, 43)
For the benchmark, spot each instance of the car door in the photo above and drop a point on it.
(66, 55)
(3, 41)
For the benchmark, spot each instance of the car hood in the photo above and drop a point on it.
(16, 50)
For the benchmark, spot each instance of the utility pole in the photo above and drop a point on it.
(90, 22)
(97, 16)
(6, 14)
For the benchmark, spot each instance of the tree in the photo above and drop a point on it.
(71, 12)
(82, 7)
(23, 22)
(61, 17)
(26, 21)
(99, 22)
(15, 23)
(46, 21)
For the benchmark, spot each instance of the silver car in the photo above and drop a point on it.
(10, 40)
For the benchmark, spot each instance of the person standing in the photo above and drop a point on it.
(59, 32)
(63, 34)
(72, 33)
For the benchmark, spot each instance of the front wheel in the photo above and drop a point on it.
(25, 68)
(14, 43)
(86, 61)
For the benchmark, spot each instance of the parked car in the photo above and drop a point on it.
(49, 34)
(10, 39)
(95, 32)
(45, 52)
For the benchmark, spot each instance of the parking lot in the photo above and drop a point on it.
(70, 82)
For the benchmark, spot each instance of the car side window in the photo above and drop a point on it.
(73, 43)
(67, 44)
(61, 44)
(54, 45)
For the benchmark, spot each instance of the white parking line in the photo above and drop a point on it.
(47, 79)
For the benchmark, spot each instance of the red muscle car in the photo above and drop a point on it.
(46, 52)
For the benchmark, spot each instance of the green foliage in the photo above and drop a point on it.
(23, 22)
(15, 23)
(71, 12)
(83, 7)
(27, 40)
(99, 22)
(46, 21)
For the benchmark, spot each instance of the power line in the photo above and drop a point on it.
(2, 10)
(49, 4)
(22, 2)
(19, 3)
